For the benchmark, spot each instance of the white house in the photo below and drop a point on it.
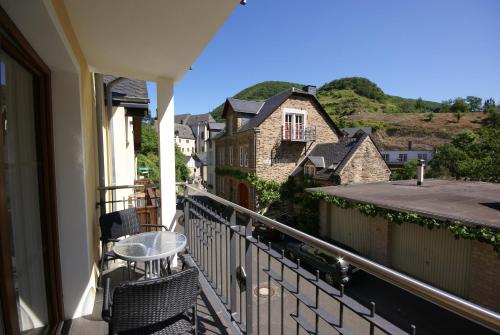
(185, 139)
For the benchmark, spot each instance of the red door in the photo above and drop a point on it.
(243, 198)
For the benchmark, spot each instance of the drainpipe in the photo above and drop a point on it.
(99, 104)
(109, 102)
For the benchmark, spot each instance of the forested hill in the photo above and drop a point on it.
(343, 96)
(261, 91)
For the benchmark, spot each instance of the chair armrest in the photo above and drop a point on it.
(106, 303)
(154, 225)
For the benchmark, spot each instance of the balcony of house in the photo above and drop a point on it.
(253, 284)
(298, 133)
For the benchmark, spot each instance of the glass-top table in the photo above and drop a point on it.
(150, 246)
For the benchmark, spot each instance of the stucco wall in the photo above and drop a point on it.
(365, 166)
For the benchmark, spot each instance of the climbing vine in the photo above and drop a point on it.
(459, 229)
(267, 191)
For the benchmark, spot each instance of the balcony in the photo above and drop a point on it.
(251, 286)
(298, 134)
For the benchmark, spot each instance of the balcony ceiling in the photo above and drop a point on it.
(146, 39)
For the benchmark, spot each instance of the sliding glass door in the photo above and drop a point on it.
(22, 190)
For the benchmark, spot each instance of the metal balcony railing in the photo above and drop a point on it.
(241, 269)
(142, 197)
(298, 134)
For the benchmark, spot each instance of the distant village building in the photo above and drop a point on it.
(185, 139)
(272, 138)
(397, 158)
(467, 268)
(215, 129)
(199, 126)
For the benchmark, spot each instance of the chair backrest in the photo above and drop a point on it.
(118, 224)
(143, 304)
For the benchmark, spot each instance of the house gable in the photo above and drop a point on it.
(364, 164)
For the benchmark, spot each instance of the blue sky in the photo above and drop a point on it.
(431, 49)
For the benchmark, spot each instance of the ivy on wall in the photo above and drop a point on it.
(459, 229)
(269, 191)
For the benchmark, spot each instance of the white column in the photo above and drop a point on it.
(165, 100)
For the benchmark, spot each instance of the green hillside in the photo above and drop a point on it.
(342, 97)
(261, 91)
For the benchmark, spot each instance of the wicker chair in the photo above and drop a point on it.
(115, 225)
(155, 306)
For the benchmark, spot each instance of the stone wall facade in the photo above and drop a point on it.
(365, 166)
(276, 159)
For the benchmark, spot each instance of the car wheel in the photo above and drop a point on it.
(329, 279)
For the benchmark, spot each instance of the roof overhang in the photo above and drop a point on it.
(146, 40)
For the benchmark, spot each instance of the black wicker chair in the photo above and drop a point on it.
(115, 225)
(155, 306)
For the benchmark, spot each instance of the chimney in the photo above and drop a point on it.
(420, 172)
(311, 89)
(410, 144)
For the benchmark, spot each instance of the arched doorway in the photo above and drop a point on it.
(243, 195)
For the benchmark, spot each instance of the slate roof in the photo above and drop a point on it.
(475, 203)
(216, 126)
(352, 131)
(181, 118)
(192, 120)
(202, 157)
(183, 131)
(245, 106)
(129, 88)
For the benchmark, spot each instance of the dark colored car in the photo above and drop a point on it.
(333, 268)
(271, 234)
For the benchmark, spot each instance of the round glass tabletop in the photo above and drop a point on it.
(150, 246)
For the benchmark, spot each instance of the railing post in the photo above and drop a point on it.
(249, 278)
(186, 217)
(232, 262)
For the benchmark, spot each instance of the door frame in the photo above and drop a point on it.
(16, 46)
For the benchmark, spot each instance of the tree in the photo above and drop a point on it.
(474, 103)
(459, 107)
(408, 171)
(470, 155)
(181, 170)
(488, 104)
(419, 104)
(147, 156)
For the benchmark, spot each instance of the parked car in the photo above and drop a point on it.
(271, 234)
(333, 268)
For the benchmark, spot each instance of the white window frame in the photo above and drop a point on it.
(422, 155)
(244, 155)
(230, 162)
(403, 157)
(309, 170)
(386, 157)
(294, 112)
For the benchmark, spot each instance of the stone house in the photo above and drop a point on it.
(269, 139)
(199, 125)
(353, 159)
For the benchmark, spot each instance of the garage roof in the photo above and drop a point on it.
(468, 202)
